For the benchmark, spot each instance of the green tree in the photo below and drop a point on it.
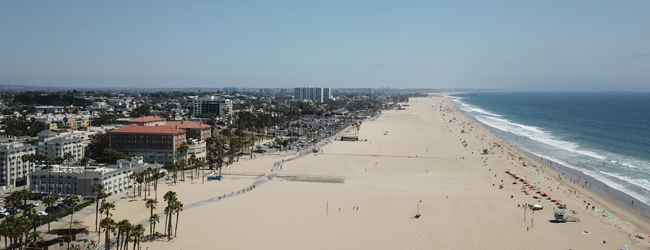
(138, 233)
(151, 204)
(73, 200)
(98, 190)
(49, 201)
(98, 143)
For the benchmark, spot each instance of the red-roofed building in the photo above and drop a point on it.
(148, 121)
(194, 130)
(158, 140)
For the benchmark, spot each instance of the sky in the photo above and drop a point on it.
(510, 45)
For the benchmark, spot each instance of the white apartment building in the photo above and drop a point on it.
(54, 145)
(13, 171)
(219, 106)
(79, 180)
(317, 94)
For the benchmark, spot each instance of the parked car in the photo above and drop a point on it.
(13, 210)
(2, 199)
(50, 209)
(41, 213)
(4, 214)
(35, 204)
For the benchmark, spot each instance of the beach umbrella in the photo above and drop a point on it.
(559, 201)
(523, 185)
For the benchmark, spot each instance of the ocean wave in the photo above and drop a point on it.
(531, 128)
(534, 133)
(470, 108)
(605, 178)
(637, 183)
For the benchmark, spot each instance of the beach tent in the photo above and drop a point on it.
(537, 206)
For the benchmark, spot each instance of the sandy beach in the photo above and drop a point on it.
(405, 161)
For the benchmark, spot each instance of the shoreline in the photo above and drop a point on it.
(619, 209)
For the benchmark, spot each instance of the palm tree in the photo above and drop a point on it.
(157, 176)
(36, 237)
(68, 157)
(84, 162)
(106, 208)
(170, 198)
(192, 161)
(140, 180)
(138, 233)
(73, 200)
(182, 149)
(200, 165)
(4, 230)
(153, 220)
(182, 164)
(178, 206)
(49, 201)
(109, 225)
(151, 204)
(98, 189)
(122, 228)
(174, 170)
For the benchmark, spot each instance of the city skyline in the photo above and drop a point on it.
(565, 46)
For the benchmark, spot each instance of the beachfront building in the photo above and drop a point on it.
(158, 140)
(317, 94)
(13, 170)
(79, 180)
(214, 105)
(53, 145)
(154, 143)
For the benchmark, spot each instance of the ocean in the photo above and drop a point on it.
(601, 137)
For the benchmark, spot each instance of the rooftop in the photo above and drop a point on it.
(133, 128)
(146, 119)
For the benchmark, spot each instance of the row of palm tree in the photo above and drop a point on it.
(124, 230)
(149, 176)
(15, 229)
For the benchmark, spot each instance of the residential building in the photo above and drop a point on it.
(79, 180)
(317, 94)
(13, 171)
(53, 145)
(218, 106)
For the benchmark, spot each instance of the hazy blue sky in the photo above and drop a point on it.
(522, 45)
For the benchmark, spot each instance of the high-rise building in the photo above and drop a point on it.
(318, 94)
(218, 106)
